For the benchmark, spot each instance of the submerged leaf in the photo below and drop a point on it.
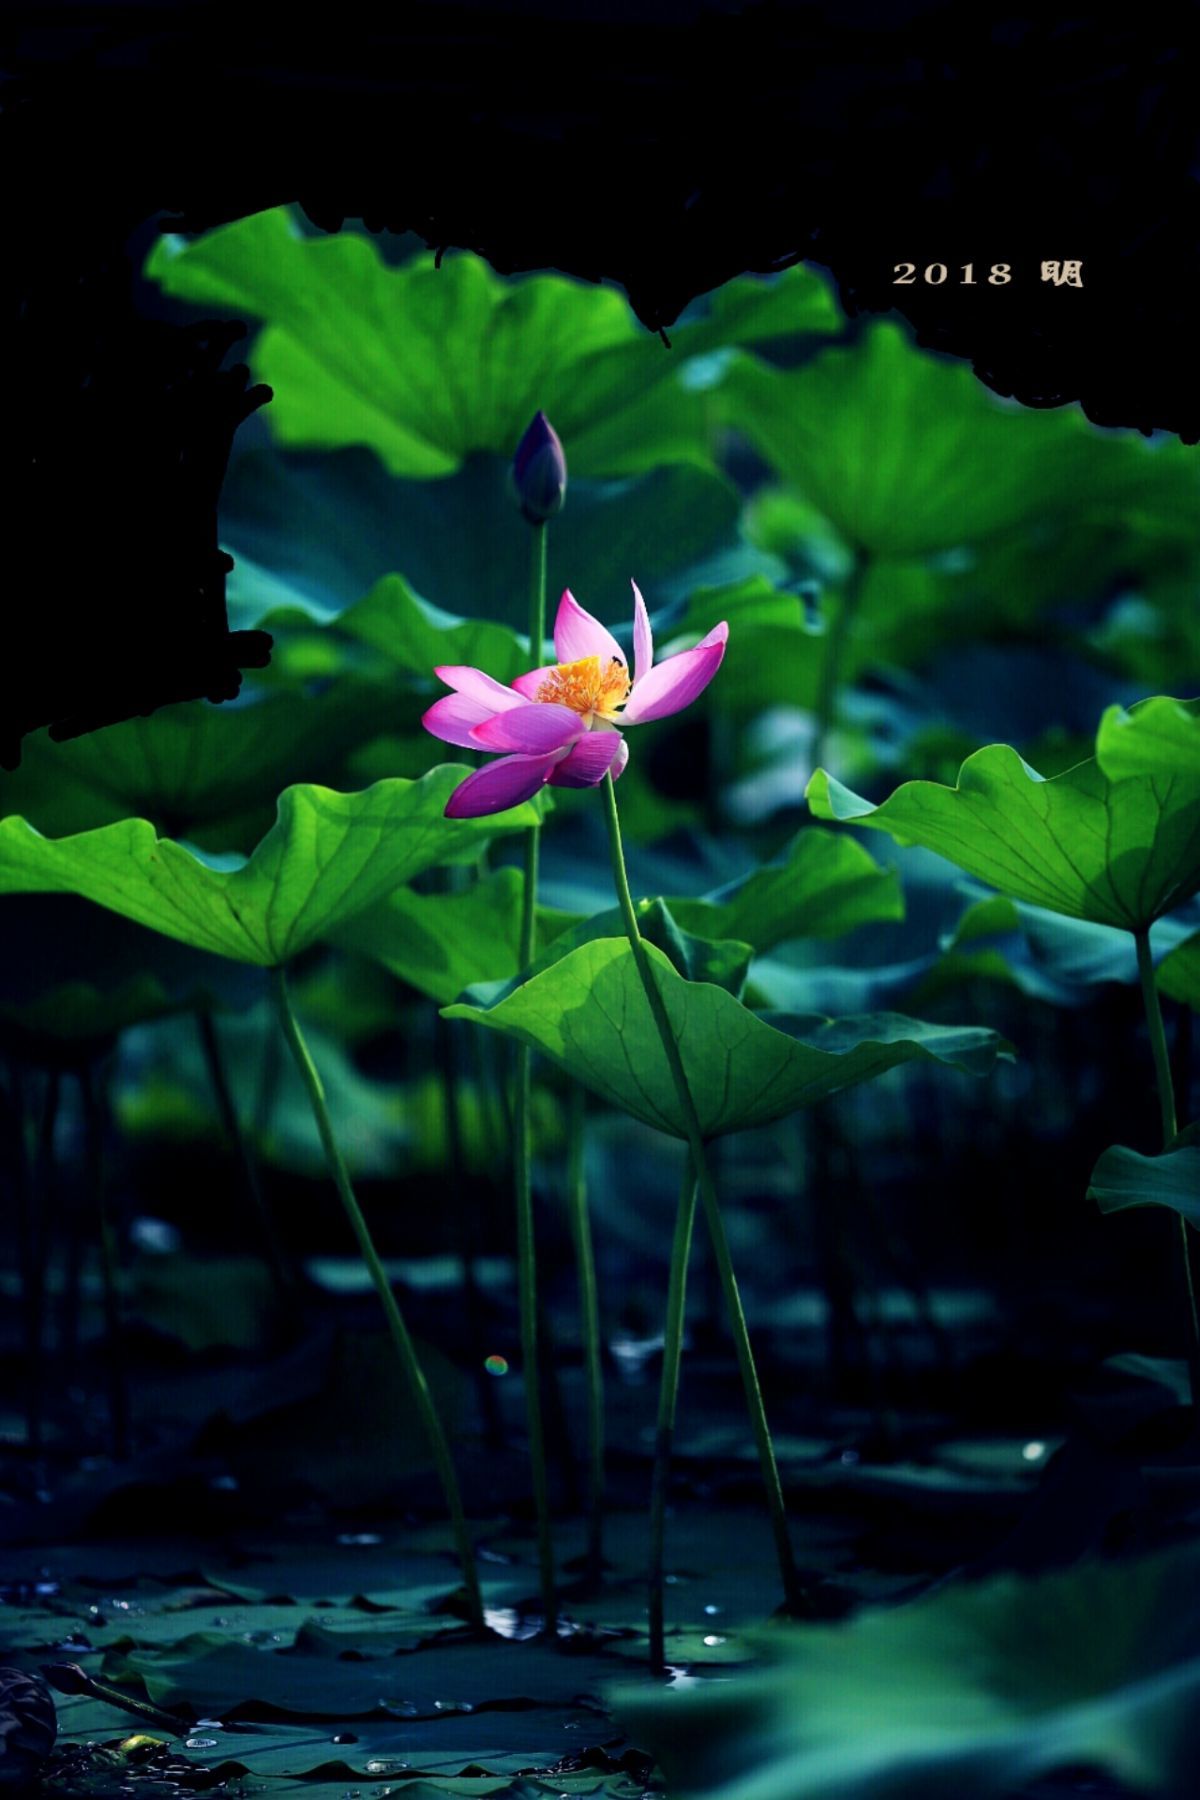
(589, 1013)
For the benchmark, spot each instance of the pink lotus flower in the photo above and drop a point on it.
(560, 722)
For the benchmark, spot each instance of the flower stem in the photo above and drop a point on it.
(395, 1319)
(114, 1330)
(523, 1159)
(589, 1315)
(668, 1395)
(282, 1277)
(1166, 1101)
(793, 1589)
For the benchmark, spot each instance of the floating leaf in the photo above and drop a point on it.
(974, 1690)
(327, 856)
(908, 454)
(1117, 853)
(1123, 1178)
(1159, 738)
(590, 1015)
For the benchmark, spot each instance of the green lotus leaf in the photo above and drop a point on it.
(1179, 973)
(978, 1689)
(444, 943)
(1117, 853)
(907, 454)
(1123, 1178)
(590, 1015)
(190, 765)
(722, 961)
(316, 531)
(80, 1014)
(327, 856)
(1159, 738)
(425, 365)
(822, 886)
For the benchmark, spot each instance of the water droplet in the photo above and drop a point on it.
(359, 1539)
(1034, 1452)
(344, 1737)
(850, 1457)
(220, 1624)
(496, 1365)
(383, 1765)
(198, 1743)
(712, 1610)
(712, 1640)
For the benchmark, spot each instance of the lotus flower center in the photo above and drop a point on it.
(589, 687)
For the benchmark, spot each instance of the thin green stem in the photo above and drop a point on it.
(793, 1589)
(830, 678)
(281, 1277)
(523, 1161)
(1166, 1102)
(114, 1328)
(589, 1317)
(399, 1331)
(466, 1231)
(668, 1395)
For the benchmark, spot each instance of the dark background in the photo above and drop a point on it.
(667, 147)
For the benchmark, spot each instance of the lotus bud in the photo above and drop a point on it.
(539, 472)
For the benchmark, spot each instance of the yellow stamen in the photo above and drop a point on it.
(589, 687)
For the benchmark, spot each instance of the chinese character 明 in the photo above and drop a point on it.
(1063, 274)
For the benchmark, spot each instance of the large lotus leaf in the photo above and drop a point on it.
(1070, 952)
(911, 608)
(425, 365)
(722, 961)
(187, 765)
(317, 531)
(907, 454)
(327, 856)
(814, 890)
(1117, 853)
(443, 943)
(1159, 738)
(589, 1014)
(1124, 1178)
(417, 637)
(775, 648)
(974, 1690)
(1179, 973)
